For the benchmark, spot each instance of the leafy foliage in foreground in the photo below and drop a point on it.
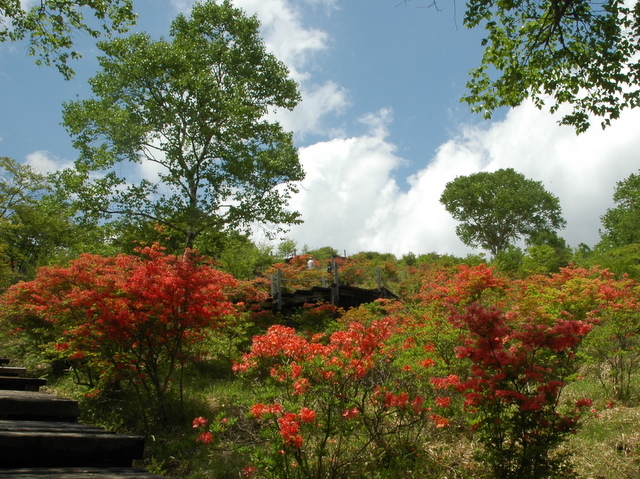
(578, 53)
(469, 355)
(51, 27)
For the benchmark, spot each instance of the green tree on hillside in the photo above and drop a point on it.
(20, 187)
(286, 249)
(621, 224)
(36, 223)
(620, 260)
(52, 26)
(496, 209)
(191, 112)
(619, 246)
(323, 253)
(546, 253)
(242, 258)
(19, 184)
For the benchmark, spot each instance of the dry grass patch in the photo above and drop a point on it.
(608, 445)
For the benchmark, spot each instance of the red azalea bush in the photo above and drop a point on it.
(611, 351)
(126, 318)
(361, 394)
(337, 405)
(513, 345)
(518, 369)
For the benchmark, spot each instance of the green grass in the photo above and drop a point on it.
(607, 446)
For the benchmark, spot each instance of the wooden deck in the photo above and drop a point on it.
(343, 297)
(37, 406)
(40, 436)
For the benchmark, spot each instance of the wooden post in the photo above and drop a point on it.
(273, 287)
(378, 280)
(335, 293)
(279, 286)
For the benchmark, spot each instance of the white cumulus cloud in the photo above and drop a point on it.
(44, 162)
(351, 200)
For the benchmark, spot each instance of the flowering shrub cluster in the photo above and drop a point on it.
(518, 368)
(612, 348)
(515, 344)
(297, 275)
(470, 348)
(337, 401)
(126, 318)
(361, 393)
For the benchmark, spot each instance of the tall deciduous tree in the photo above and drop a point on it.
(19, 184)
(496, 209)
(52, 25)
(194, 110)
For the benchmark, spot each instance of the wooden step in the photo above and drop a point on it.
(27, 405)
(12, 371)
(76, 473)
(48, 426)
(61, 448)
(12, 383)
(41, 438)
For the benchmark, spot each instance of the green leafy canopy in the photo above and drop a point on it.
(580, 53)
(577, 52)
(52, 25)
(621, 224)
(498, 208)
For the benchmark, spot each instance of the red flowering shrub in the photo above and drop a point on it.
(296, 274)
(612, 349)
(358, 270)
(130, 318)
(314, 317)
(500, 355)
(518, 370)
(340, 404)
(515, 351)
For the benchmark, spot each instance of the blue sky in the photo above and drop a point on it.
(380, 129)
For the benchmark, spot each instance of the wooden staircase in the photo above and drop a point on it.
(12, 378)
(40, 437)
